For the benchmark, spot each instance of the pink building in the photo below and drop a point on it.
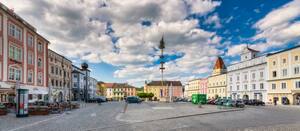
(23, 58)
(203, 86)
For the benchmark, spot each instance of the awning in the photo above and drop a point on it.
(36, 90)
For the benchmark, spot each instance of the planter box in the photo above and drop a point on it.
(39, 110)
(3, 112)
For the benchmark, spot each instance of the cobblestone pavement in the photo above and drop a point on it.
(158, 117)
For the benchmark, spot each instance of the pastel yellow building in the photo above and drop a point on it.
(217, 82)
(284, 76)
(163, 91)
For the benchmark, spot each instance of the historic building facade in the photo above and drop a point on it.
(79, 82)
(217, 82)
(247, 79)
(23, 58)
(196, 86)
(60, 70)
(284, 76)
(119, 91)
(163, 91)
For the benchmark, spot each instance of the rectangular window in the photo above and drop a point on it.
(261, 85)
(283, 85)
(296, 58)
(15, 31)
(273, 86)
(30, 41)
(40, 79)
(237, 78)
(284, 61)
(40, 96)
(40, 63)
(15, 53)
(52, 70)
(40, 47)
(245, 77)
(261, 74)
(253, 86)
(14, 74)
(253, 76)
(297, 84)
(237, 87)
(296, 70)
(245, 87)
(274, 74)
(284, 72)
(30, 58)
(30, 77)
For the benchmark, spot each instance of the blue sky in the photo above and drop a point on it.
(119, 39)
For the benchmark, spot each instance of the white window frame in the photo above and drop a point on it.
(30, 41)
(296, 70)
(283, 87)
(30, 72)
(15, 31)
(30, 58)
(40, 78)
(13, 72)
(273, 86)
(40, 62)
(40, 47)
(297, 84)
(284, 72)
(15, 52)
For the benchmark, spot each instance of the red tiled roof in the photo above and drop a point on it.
(109, 85)
(219, 64)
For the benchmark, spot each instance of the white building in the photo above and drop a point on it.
(92, 87)
(78, 82)
(248, 78)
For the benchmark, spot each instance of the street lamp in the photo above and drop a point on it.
(85, 67)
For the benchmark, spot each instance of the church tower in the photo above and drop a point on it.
(219, 67)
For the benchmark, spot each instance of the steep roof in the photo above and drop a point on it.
(219, 64)
(165, 83)
(252, 49)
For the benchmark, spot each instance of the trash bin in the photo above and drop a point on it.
(195, 98)
(22, 103)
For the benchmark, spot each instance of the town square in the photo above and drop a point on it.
(143, 65)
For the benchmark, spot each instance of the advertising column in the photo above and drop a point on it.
(22, 103)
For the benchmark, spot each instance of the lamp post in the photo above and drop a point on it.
(85, 67)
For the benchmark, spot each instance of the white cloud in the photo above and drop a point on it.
(280, 26)
(214, 20)
(78, 29)
(236, 49)
(202, 6)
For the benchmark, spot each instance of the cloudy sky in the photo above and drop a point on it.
(119, 38)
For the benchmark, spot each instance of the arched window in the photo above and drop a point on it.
(40, 62)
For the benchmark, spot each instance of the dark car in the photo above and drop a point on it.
(255, 102)
(228, 103)
(133, 99)
(212, 101)
(101, 99)
(220, 101)
(238, 103)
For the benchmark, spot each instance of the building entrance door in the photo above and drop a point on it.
(296, 99)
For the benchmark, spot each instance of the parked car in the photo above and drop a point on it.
(238, 103)
(133, 99)
(220, 101)
(101, 98)
(255, 102)
(227, 103)
(211, 101)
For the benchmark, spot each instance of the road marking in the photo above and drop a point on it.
(35, 123)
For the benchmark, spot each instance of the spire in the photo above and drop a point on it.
(162, 43)
(219, 67)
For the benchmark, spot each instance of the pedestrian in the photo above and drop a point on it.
(275, 102)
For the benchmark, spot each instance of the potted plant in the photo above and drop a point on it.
(3, 109)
